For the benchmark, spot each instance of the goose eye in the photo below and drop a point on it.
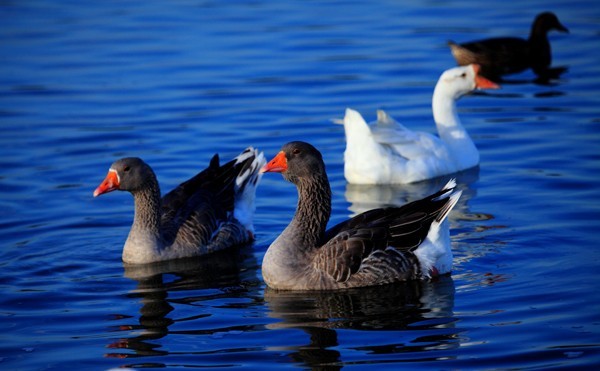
(463, 75)
(295, 151)
(126, 169)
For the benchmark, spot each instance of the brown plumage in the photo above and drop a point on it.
(506, 55)
(209, 212)
(373, 248)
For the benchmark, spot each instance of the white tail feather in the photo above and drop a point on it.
(353, 116)
(245, 187)
(450, 185)
(449, 206)
(435, 253)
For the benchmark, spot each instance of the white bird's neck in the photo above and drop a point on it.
(451, 131)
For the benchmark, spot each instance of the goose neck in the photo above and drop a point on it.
(312, 212)
(147, 209)
(444, 109)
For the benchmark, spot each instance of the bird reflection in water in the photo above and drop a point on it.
(417, 317)
(220, 271)
(367, 197)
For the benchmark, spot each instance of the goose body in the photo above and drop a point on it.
(373, 248)
(507, 55)
(386, 152)
(211, 211)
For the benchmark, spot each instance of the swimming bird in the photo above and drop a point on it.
(386, 152)
(373, 248)
(506, 55)
(209, 212)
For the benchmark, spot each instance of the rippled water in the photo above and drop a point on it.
(84, 83)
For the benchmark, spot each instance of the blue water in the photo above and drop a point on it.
(84, 83)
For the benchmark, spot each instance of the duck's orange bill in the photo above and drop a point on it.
(481, 82)
(277, 165)
(109, 184)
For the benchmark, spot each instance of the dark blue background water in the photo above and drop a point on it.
(84, 83)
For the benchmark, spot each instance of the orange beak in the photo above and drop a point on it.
(481, 82)
(277, 165)
(109, 184)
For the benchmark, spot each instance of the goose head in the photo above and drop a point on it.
(459, 81)
(127, 174)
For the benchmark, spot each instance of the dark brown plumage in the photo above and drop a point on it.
(506, 55)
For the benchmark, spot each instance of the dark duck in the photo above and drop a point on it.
(507, 55)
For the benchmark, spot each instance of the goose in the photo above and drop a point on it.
(386, 152)
(507, 55)
(376, 247)
(209, 212)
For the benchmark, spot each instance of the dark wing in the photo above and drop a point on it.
(195, 209)
(342, 256)
(214, 179)
(501, 55)
(371, 233)
(195, 223)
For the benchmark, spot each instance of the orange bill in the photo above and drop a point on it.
(481, 82)
(109, 184)
(277, 165)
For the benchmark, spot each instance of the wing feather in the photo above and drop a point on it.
(386, 236)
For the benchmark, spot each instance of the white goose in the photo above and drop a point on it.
(387, 152)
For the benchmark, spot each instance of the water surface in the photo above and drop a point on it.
(83, 84)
